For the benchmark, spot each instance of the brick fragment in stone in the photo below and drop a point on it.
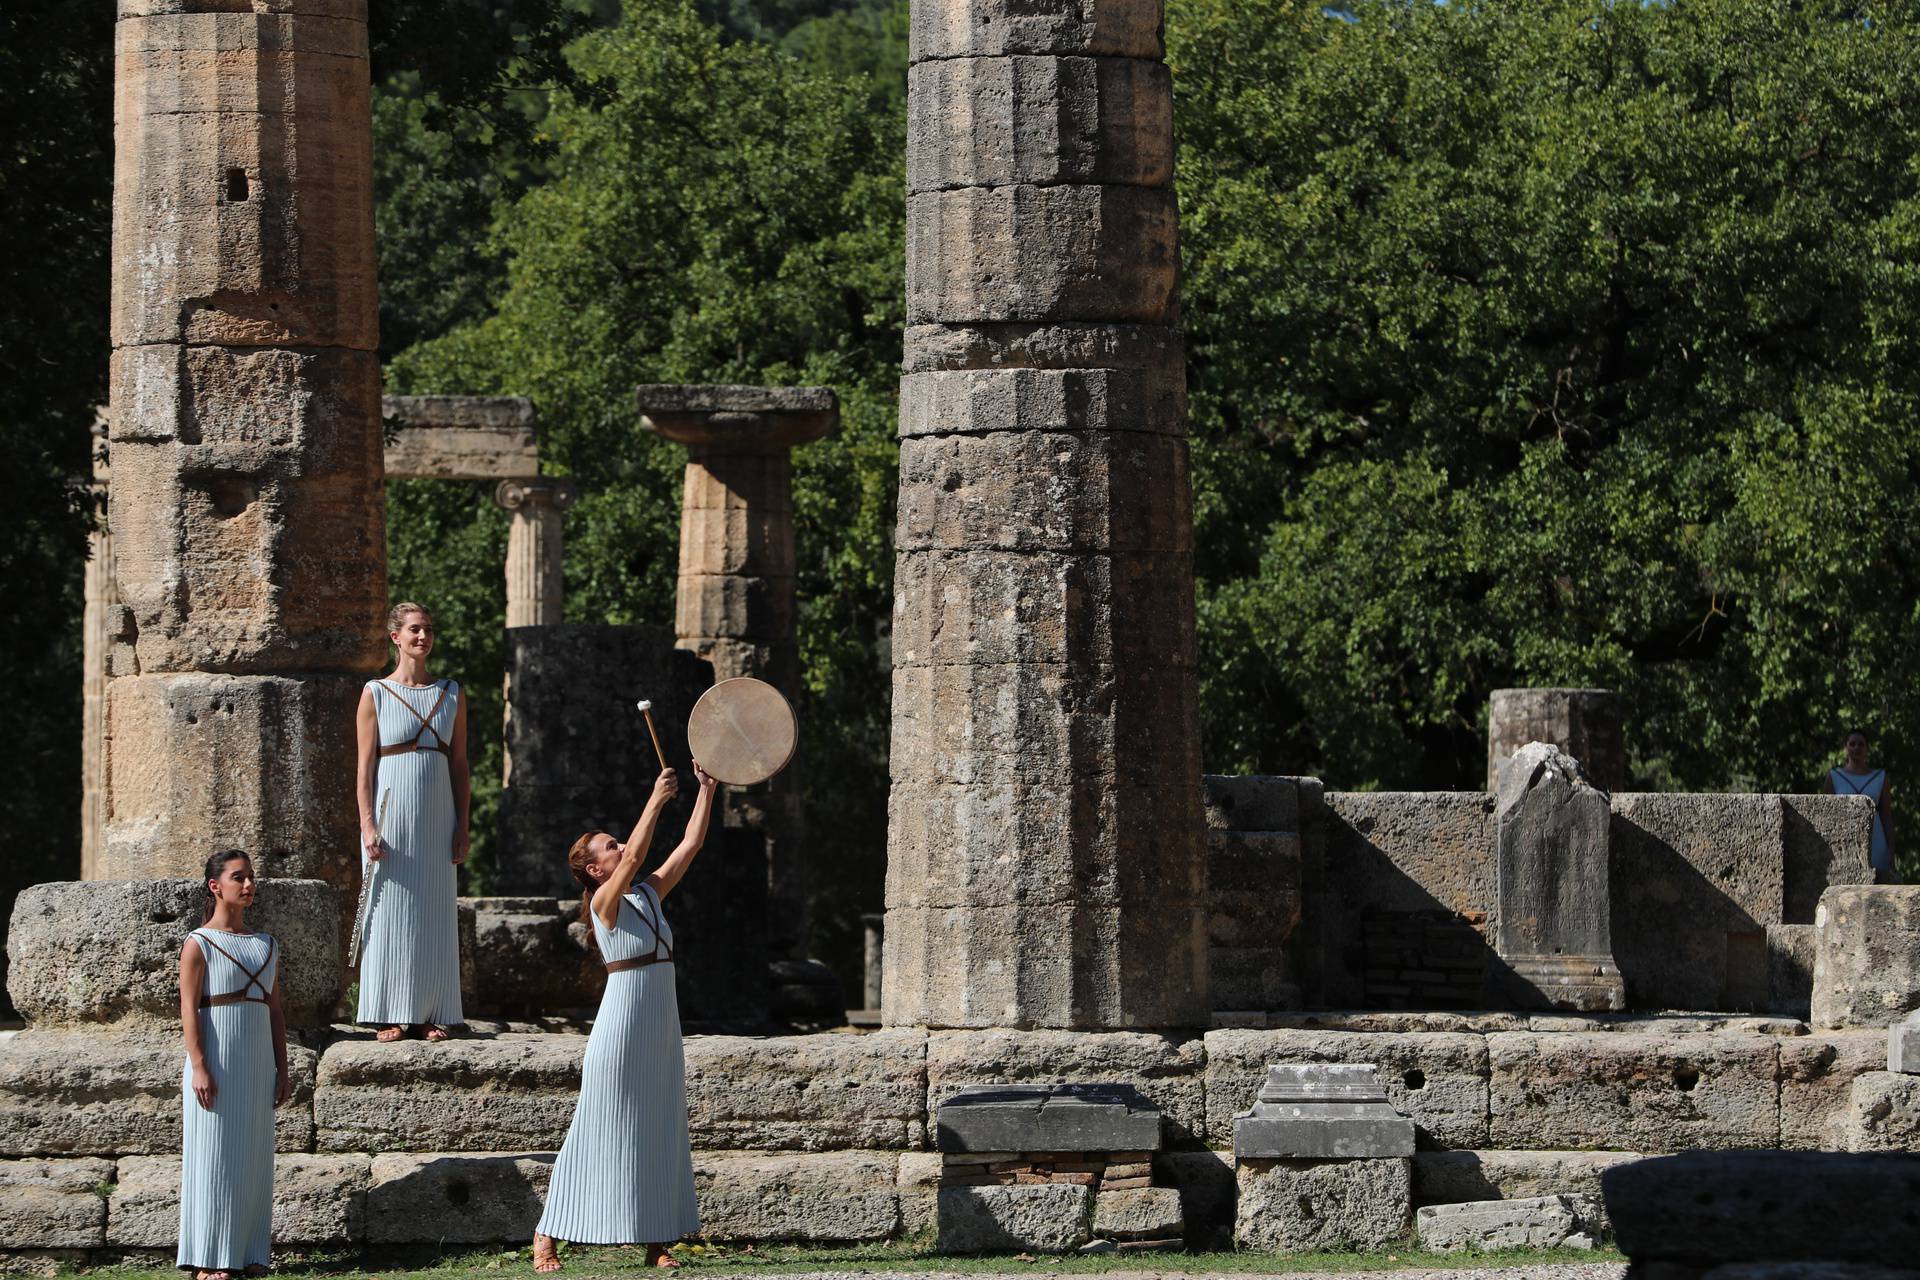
(317, 1200)
(1438, 1079)
(1453, 1177)
(826, 1196)
(91, 951)
(441, 1198)
(1883, 1112)
(985, 28)
(1867, 956)
(1639, 1092)
(993, 122)
(1029, 253)
(55, 1204)
(1051, 1218)
(1816, 1085)
(1289, 1206)
(1166, 1069)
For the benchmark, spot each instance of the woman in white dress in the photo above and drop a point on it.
(412, 758)
(1855, 777)
(235, 1075)
(625, 1172)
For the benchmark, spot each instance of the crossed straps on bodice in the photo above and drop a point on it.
(426, 725)
(244, 994)
(659, 943)
(1861, 789)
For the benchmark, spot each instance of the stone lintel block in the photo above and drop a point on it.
(1050, 1218)
(284, 793)
(1166, 1069)
(988, 28)
(742, 542)
(994, 122)
(1048, 1117)
(1641, 1092)
(1903, 1045)
(93, 1093)
(1421, 1021)
(1029, 253)
(1537, 1222)
(460, 437)
(1290, 1206)
(1866, 969)
(85, 952)
(441, 1198)
(317, 1200)
(354, 9)
(1027, 491)
(55, 1204)
(1040, 722)
(808, 1093)
(1816, 1086)
(829, 1196)
(721, 419)
(724, 604)
(1709, 1208)
(1260, 802)
(1883, 1112)
(1452, 1177)
(1438, 1079)
(1138, 1213)
(1061, 965)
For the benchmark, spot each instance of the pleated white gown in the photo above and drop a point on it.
(410, 956)
(625, 1172)
(226, 1154)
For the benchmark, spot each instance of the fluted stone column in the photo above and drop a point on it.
(1045, 858)
(535, 547)
(96, 631)
(247, 509)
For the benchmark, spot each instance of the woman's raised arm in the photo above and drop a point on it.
(606, 899)
(682, 856)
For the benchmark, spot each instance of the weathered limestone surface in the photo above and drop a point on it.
(1903, 1045)
(1540, 1222)
(919, 1187)
(83, 1093)
(1052, 1218)
(532, 955)
(1584, 723)
(1254, 876)
(514, 1091)
(1261, 803)
(317, 1200)
(839, 1195)
(1867, 959)
(460, 437)
(1322, 1111)
(536, 547)
(1208, 1193)
(91, 952)
(1817, 1075)
(1883, 1112)
(1289, 1206)
(1140, 1213)
(101, 615)
(1828, 840)
(1043, 660)
(808, 1093)
(1637, 1092)
(1438, 1079)
(456, 1199)
(1168, 1070)
(1453, 1177)
(55, 1204)
(1555, 932)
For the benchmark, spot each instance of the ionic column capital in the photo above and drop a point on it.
(533, 494)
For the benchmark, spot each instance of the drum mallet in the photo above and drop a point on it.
(646, 709)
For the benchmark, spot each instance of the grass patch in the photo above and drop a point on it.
(772, 1260)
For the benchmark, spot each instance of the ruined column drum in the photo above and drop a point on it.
(1045, 861)
(246, 506)
(536, 548)
(1584, 723)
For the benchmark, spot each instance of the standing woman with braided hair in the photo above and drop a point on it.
(413, 748)
(625, 1172)
(235, 1075)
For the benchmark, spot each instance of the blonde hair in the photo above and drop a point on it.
(397, 616)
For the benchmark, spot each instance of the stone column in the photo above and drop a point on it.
(1045, 856)
(97, 630)
(1584, 723)
(247, 509)
(535, 548)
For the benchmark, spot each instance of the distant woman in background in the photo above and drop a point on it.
(235, 1075)
(1855, 777)
(413, 757)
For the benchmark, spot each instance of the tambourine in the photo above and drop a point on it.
(742, 731)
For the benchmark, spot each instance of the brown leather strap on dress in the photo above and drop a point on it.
(402, 748)
(253, 976)
(231, 997)
(621, 966)
(426, 723)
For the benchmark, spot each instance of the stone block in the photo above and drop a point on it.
(994, 122)
(1249, 978)
(1019, 400)
(1883, 1112)
(1290, 1206)
(1038, 491)
(1828, 841)
(808, 1093)
(54, 1204)
(515, 1091)
(1208, 1193)
(735, 541)
(1322, 1111)
(1638, 1092)
(90, 951)
(279, 798)
(837, 1195)
(431, 1198)
(1867, 956)
(532, 955)
(1167, 1070)
(918, 1183)
(460, 437)
(1790, 952)
(1048, 1117)
(1438, 1079)
(1540, 1222)
(1032, 253)
(317, 1200)
(1454, 1177)
(86, 1093)
(1049, 1218)
(1816, 1085)
(1143, 1213)
(1584, 723)
(1260, 802)
(988, 28)
(1709, 1208)
(1903, 1045)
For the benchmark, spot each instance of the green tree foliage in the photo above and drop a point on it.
(727, 214)
(1553, 342)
